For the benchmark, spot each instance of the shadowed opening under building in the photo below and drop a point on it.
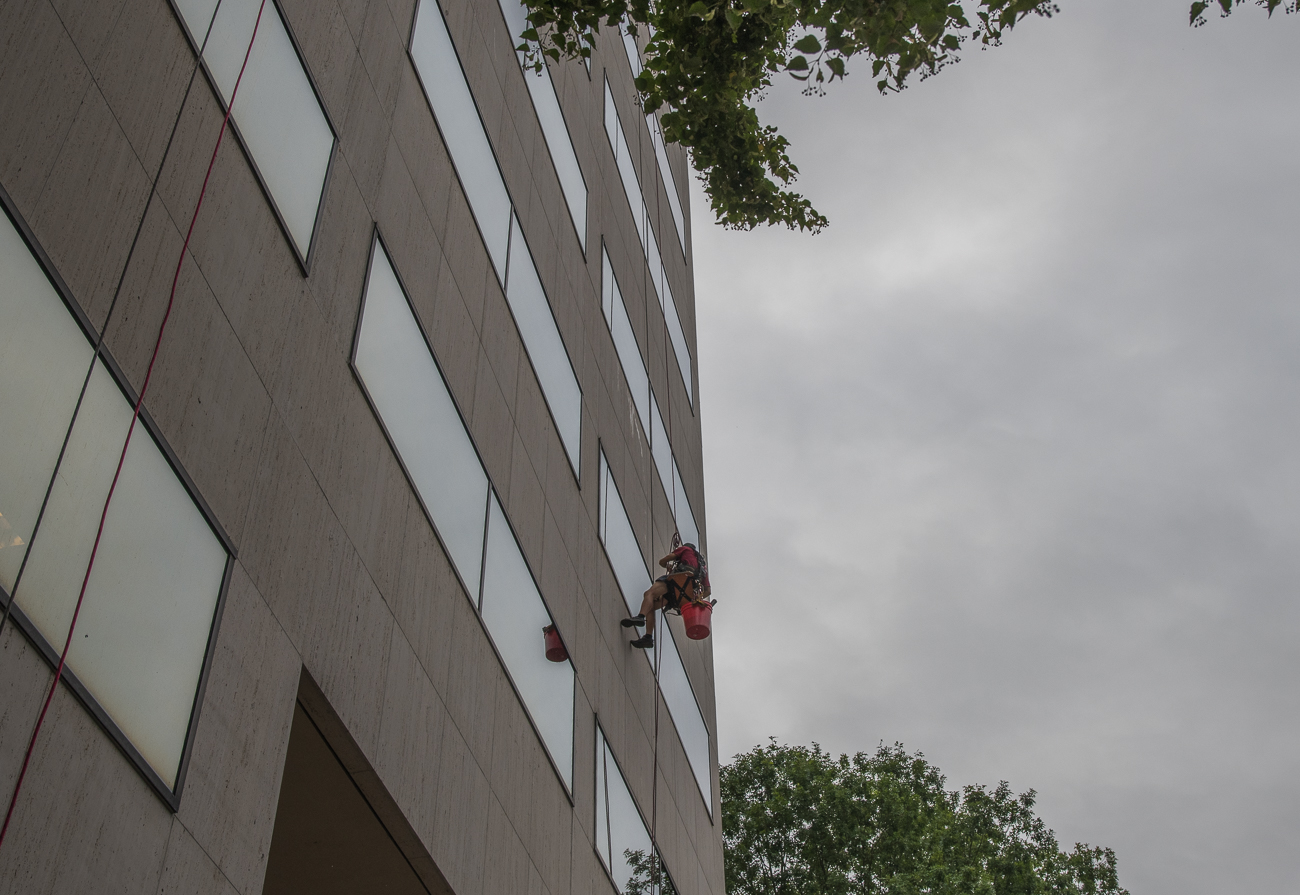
(327, 838)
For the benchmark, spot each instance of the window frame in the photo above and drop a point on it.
(601, 492)
(609, 101)
(475, 599)
(304, 261)
(170, 796)
(582, 238)
(502, 277)
(596, 776)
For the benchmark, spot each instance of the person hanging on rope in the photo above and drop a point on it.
(686, 580)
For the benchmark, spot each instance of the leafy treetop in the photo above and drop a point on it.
(708, 61)
(796, 821)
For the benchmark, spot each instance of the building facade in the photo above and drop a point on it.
(423, 415)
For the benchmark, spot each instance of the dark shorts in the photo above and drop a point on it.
(679, 589)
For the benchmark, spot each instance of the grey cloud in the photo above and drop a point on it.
(1004, 464)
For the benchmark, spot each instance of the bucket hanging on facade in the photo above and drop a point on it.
(698, 618)
(555, 650)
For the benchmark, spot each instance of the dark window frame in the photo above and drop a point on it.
(502, 277)
(196, 45)
(475, 599)
(171, 796)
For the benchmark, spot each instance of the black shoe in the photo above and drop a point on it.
(647, 641)
(636, 621)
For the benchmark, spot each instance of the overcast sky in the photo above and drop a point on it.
(1004, 465)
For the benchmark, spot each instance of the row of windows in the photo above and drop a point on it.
(397, 368)
(657, 138)
(622, 838)
(633, 577)
(278, 116)
(448, 93)
(638, 382)
(153, 600)
(143, 634)
(291, 143)
(547, 106)
(650, 246)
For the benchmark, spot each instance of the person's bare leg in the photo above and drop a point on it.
(651, 600)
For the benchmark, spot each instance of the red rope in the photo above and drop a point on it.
(135, 415)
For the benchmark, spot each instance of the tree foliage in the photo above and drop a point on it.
(707, 62)
(796, 821)
(1226, 7)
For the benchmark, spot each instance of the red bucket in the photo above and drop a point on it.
(555, 650)
(698, 618)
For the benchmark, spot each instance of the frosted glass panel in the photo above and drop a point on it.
(669, 181)
(547, 105)
(661, 450)
(680, 349)
(685, 711)
(649, 245)
(144, 625)
(625, 344)
(622, 840)
(444, 82)
(686, 526)
(565, 160)
(277, 112)
(515, 616)
(411, 398)
(43, 361)
(532, 313)
(633, 52)
(620, 542)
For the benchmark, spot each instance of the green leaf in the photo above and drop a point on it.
(798, 63)
(808, 44)
(733, 19)
(699, 9)
(1198, 8)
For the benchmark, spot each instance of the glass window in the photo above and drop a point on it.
(684, 708)
(277, 113)
(547, 105)
(148, 611)
(515, 615)
(680, 349)
(657, 137)
(633, 578)
(682, 514)
(620, 542)
(411, 399)
(622, 838)
(453, 105)
(658, 275)
(625, 344)
(439, 70)
(410, 396)
(661, 450)
(630, 359)
(666, 173)
(541, 337)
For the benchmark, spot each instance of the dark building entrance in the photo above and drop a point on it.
(327, 839)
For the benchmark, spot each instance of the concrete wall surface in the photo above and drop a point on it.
(341, 598)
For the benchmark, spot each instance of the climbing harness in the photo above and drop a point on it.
(135, 415)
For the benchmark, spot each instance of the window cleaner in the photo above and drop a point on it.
(686, 582)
